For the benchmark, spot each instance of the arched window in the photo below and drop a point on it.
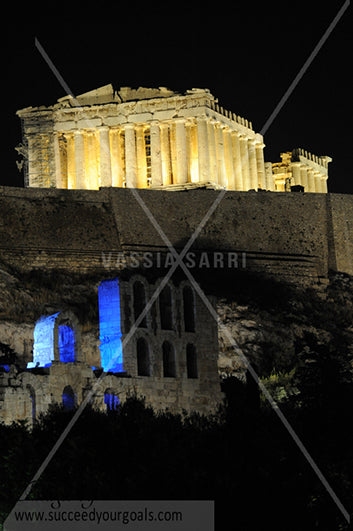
(191, 361)
(139, 302)
(69, 398)
(43, 346)
(143, 358)
(111, 400)
(55, 338)
(189, 309)
(165, 307)
(169, 366)
(66, 344)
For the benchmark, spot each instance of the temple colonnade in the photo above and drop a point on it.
(158, 154)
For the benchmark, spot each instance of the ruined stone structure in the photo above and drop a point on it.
(154, 138)
(78, 217)
(300, 168)
(171, 358)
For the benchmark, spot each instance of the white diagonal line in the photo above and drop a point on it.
(304, 68)
(178, 257)
(54, 69)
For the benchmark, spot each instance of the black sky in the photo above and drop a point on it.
(247, 54)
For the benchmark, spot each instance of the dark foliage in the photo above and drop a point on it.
(243, 458)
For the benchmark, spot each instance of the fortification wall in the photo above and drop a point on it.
(298, 236)
(341, 240)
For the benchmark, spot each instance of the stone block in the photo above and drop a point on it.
(142, 117)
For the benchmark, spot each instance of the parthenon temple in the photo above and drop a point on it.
(155, 138)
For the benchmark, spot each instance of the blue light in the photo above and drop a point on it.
(110, 326)
(66, 344)
(111, 400)
(43, 347)
(6, 367)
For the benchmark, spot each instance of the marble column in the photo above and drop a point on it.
(57, 158)
(141, 165)
(71, 181)
(156, 158)
(212, 151)
(228, 156)
(304, 178)
(252, 165)
(260, 162)
(269, 177)
(296, 174)
(222, 177)
(104, 156)
(181, 153)
(202, 149)
(62, 144)
(324, 184)
(317, 180)
(238, 175)
(165, 154)
(245, 162)
(130, 156)
(311, 180)
(91, 160)
(32, 170)
(117, 157)
(80, 175)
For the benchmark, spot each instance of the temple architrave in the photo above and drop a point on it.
(155, 138)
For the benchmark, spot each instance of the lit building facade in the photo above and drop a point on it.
(300, 168)
(150, 138)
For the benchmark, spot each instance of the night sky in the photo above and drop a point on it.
(246, 55)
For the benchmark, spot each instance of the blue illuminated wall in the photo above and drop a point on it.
(110, 326)
(43, 347)
(66, 344)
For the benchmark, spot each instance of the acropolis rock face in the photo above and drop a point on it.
(70, 289)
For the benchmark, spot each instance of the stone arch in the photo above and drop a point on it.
(69, 398)
(143, 357)
(43, 341)
(189, 308)
(169, 361)
(67, 338)
(111, 399)
(191, 361)
(49, 338)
